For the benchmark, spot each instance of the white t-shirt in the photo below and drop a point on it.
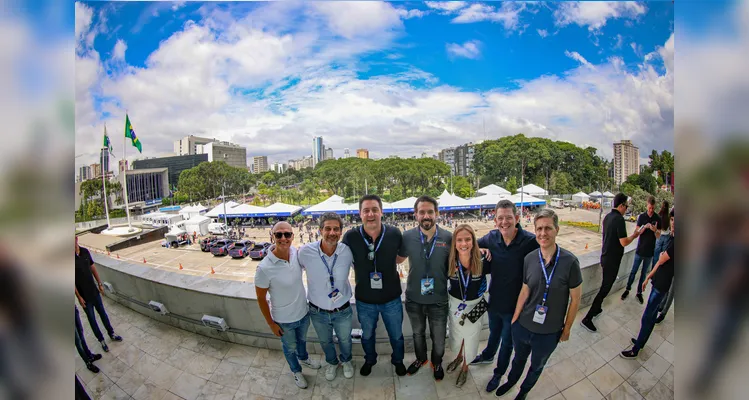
(283, 280)
(318, 277)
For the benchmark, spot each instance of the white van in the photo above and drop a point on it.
(218, 228)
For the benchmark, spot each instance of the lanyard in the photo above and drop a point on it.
(382, 236)
(330, 269)
(428, 255)
(547, 276)
(464, 281)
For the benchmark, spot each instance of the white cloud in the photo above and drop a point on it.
(351, 19)
(408, 14)
(508, 14)
(448, 6)
(83, 18)
(577, 57)
(542, 32)
(636, 48)
(118, 53)
(619, 41)
(595, 14)
(470, 49)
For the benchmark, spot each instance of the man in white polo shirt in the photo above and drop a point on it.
(328, 264)
(288, 318)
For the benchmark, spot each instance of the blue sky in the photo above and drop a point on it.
(397, 78)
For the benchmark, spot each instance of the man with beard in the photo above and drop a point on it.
(375, 247)
(328, 290)
(427, 248)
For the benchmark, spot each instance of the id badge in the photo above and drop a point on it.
(460, 310)
(375, 280)
(540, 315)
(335, 295)
(427, 286)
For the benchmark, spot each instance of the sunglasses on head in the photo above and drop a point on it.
(279, 235)
(371, 251)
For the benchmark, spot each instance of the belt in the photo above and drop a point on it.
(335, 310)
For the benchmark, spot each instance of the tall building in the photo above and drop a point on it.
(104, 161)
(84, 173)
(146, 185)
(230, 153)
(174, 165)
(626, 161)
(188, 145)
(95, 170)
(346, 153)
(318, 150)
(260, 164)
(447, 156)
(464, 159)
(123, 165)
(362, 153)
(278, 167)
(329, 154)
(301, 163)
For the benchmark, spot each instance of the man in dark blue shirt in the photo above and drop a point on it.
(507, 246)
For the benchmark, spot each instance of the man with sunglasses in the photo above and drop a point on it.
(281, 277)
(615, 239)
(329, 292)
(375, 248)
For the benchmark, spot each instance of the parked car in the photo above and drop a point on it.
(241, 249)
(259, 250)
(207, 243)
(221, 247)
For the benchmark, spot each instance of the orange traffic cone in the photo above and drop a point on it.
(180, 265)
(144, 260)
(586, 246)
(212, 271)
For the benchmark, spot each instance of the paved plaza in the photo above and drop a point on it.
(159, 362)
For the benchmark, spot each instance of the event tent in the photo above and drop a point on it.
(219, 209)
(192, 211)
(451, 202)
(242, 211)
(595, 194)
(405, 205)
(580, 197)
(533, 190)
(493, 189)
(334, 204)
(485, 201)
(526, 200)
(281, 210)
(198, 223)
(608, 194)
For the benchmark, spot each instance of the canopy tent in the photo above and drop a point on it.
(486, 201)
(198, 223)
(405, 205)
(493, 189)
(334, 204)
(219, 209)
(281, 210)
(533, 190)
(580, 197)
(242, 211)
(451, 202)
(608, 194)
(527, 200)
(595, 194)
(192, 211)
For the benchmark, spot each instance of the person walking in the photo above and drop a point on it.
(80, 344)
(647, 224)
(661, 245)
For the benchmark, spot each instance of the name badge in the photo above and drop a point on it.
(375, 280)
(461, 308)
(540, 315)
(427, 286)
(335, 295)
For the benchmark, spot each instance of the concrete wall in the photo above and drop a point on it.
(80, 226)
(188, 298)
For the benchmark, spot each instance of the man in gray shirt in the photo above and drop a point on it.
(427, 248)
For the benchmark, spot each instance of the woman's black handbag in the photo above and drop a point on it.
(476, 312)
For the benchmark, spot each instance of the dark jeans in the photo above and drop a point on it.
(645, 262)
(294, 342)
(325, 323)
(610, 268)
(95, 303)
(648, 318)
(80, 339)
(437, 316)
(392, 316)
(500, 329)
(538, 346)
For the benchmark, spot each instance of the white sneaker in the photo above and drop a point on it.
(300, 380)
(330, 371)
(310, 363)
(348, 369)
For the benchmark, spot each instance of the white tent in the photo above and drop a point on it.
(527, 200)
(192, 211)
(595, 194)
(333, 203)
(493, 189)
(449, 202)
(533, 190)
(242, 210)
(281, 210)
(198, 223)
(608, 194)
(580, 197)
(219, 209)
(405, 205)
(486, 201)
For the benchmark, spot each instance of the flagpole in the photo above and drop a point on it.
(124, 177)
(104, 186)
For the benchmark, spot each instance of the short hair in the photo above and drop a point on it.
(506, 204)
(426, 199)
(330, 216)
(370, 197)
(620, 199)
(547, 213)
(651, 200)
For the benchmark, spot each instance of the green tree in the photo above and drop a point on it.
(639, 201)
(560, 183)
(463, 187)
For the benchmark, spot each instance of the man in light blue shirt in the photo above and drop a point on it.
(328, 264)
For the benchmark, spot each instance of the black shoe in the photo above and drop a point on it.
(400, 369)
(439, 373)
(598, 314)
(366, 369)
(115, 338)
(629, 354)
(521, 395)
(481, 360)
(104, 346)
(659, 319)
(95, 357)
(414, 367)
(504, 389)
(91, 367)
(493, 383)
(588, 324)
(639, 298)
(625, 294)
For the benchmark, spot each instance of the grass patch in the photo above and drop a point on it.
(584, 225)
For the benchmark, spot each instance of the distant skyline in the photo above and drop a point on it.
(398, 78)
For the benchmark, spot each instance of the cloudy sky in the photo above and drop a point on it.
(396, 78)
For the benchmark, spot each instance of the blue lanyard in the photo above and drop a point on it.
(547, 276)
(434, 242)
(330, 269)
(382, 236)
(464, 281)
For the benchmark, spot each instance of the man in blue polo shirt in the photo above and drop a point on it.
(507, 246)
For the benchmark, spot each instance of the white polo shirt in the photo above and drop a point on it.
(318, 277)
(284, 283)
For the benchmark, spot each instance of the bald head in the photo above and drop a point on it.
(281, 225)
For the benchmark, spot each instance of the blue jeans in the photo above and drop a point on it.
(648, 318)
(645, 261)
(500, 329)
(325, 323)
(294, 342)
(80, 339)
(661, 245)
(96, 303)
(392, 316)
(538, 346)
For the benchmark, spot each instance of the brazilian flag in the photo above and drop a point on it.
(130, 133)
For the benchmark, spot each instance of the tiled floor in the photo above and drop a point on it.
(156, 362)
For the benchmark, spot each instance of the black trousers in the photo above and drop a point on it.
(610, 267)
